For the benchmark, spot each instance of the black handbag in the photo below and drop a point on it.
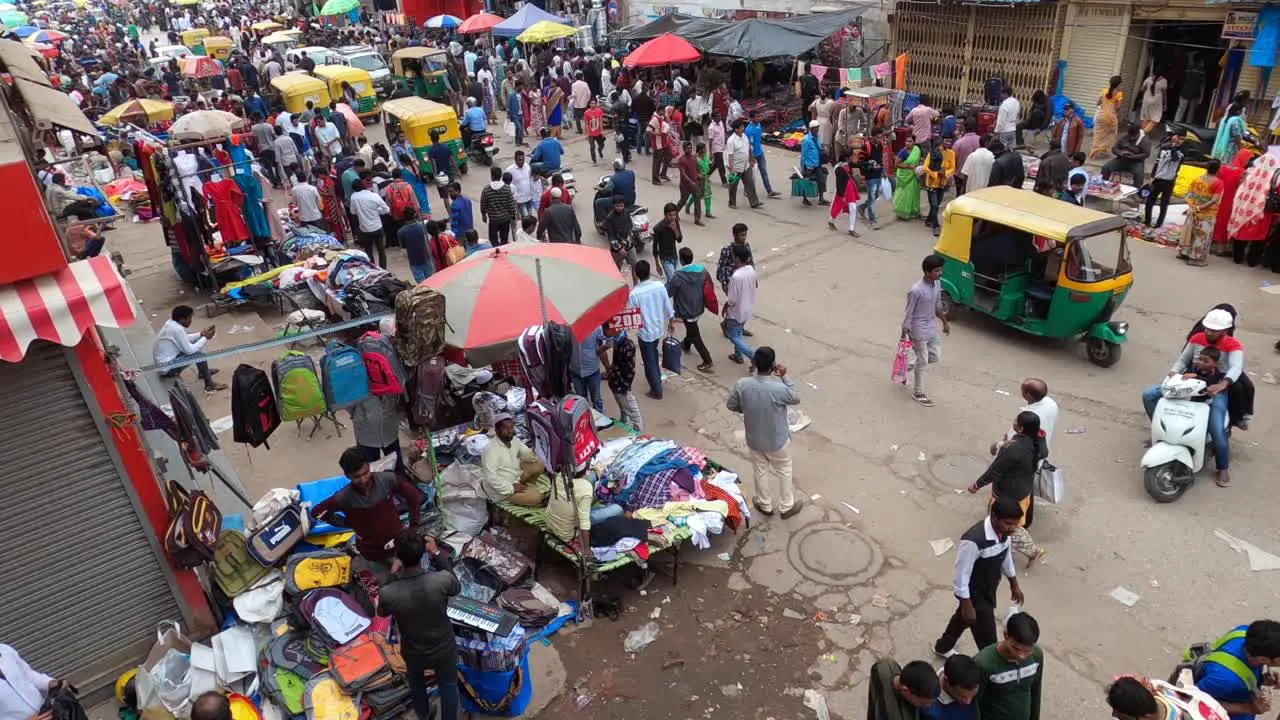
(1273, 193)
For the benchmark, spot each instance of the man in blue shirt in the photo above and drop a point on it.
(1232, 672)
(548, 151)
(584, 368)
(811, 162)
(461, 218)
(624, 186)
(515, 112)
(959, 680)
(473, 122)
(413, 238)
(755, 134)
(441, 156)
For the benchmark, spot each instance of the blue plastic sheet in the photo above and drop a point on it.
(1061, 101)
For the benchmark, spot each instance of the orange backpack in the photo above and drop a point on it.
(400, 196)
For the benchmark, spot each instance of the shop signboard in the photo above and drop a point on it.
(628, 319)
(1239, 25)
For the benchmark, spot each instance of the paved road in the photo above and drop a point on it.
(831, 305)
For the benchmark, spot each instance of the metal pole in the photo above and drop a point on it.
(542, 295)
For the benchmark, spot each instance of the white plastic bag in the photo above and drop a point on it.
(271, 504)
(509, 129)
(1051, 483)
(886, 189)
(163, 677)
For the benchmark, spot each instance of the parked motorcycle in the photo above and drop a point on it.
(1197, 143)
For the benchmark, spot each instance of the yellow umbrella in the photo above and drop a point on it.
(266, 25)
(186, 2)
(145, 110)
(545, 31)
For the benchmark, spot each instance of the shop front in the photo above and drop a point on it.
(1015, 42)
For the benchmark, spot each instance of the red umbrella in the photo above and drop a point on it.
(478, 23)
(666, 49)
(492, 296)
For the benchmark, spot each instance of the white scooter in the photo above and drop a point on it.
(1180, 439)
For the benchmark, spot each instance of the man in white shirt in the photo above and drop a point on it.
(173, 342)
(740, 164)
(522, 184)
(307, 198)
(22, 689)
(977, 169)
(368, 207)
(656, 313)
(580, 91)
(741, 298)
(328, 138)
(1036, 393)
(1007, 117)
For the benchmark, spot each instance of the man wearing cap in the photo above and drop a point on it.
(1216, 324)
(559, 222)
(511, 471)
(811, 162)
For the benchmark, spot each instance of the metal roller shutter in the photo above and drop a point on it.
(84, 588)
(1095, 42)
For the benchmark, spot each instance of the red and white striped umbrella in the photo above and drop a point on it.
(492, 296)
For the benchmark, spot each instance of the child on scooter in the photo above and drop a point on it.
(1207, 369)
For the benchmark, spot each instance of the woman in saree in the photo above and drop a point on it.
(554, 107)
(1202, 209)
(906, 197)
(1107, 119)
(1230, 132)
(1230, 174)
(330, 204)
(409, 167)
(1250, 223)
(535, 109)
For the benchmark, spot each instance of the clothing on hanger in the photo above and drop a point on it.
(228, 208)
(254, 214)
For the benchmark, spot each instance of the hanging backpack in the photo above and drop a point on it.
(297, 387)
(420, 324)
(577, 429)
(549, 445)
(531, 347)
(324, 699)
(271, 542)
(233, 568)
(428, 389)
(194, 525)
(325, 568)
(559, 355)
(387, 374)
(345, 379)
(254, 413)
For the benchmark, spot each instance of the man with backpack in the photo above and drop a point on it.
(368, 507)
(418, 599)
(399, 196)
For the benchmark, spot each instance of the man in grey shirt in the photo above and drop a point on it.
(559, 222)
(376, 420)
(307, 198)
(919, 322)
(763, 399)
(265, 136)
(418, 599)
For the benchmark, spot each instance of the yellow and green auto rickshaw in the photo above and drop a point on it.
(281, 41)
(417, 118)
(219, 47)
(1038, 264)
(422, 70)
(194, 39)
(296, 88)
(362, 97)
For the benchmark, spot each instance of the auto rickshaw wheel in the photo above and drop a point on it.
(946, 305)
(1102, 353)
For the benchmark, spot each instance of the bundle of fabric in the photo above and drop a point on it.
(349, 267)
(305, 242)
(372, 294)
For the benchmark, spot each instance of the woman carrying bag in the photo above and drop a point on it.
(1013, 474)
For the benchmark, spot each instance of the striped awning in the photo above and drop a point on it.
(61, 306)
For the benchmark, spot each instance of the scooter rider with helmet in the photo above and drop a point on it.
(624, 184)
(473, 122)
(1216, 324)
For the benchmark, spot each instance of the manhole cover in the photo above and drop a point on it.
(958, 471)
(833, 554)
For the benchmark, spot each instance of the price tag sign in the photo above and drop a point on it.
(628, 319)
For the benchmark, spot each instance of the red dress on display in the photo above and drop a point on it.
(228, 205)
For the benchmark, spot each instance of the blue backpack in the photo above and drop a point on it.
(346, 380)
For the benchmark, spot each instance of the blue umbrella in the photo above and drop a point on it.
(442, 22)
(25, 30)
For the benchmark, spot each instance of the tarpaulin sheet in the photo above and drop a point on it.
(753, 38)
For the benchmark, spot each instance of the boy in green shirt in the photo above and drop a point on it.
(1012, 673)
(704, 169)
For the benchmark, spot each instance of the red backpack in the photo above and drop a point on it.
(387, 375)
(578, 429)
(400, 196)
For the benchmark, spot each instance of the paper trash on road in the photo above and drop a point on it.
(815, 701)
(640, 637)
(221, 425)
(1259, 559)
(1125, 596)
(922, 457)
(797, 420)
(941, 546)
(855, 510)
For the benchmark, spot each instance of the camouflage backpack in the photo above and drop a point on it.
(420, 324)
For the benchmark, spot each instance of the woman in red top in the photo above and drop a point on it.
(1230, 174)
(1249, 223)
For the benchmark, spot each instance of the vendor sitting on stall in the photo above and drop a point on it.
(368, 507)
(512, 473)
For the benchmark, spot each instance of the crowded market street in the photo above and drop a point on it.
(831, 306)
